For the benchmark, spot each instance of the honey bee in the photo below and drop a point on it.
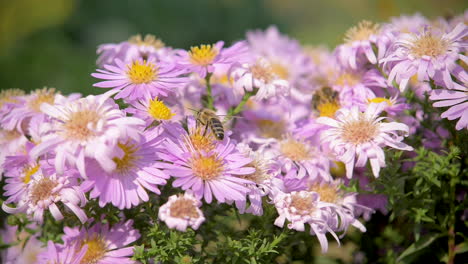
(208, 118)
(323, 96)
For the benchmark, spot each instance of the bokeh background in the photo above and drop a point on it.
(53, 42)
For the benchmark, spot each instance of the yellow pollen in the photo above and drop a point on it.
(304, 205)
(148, 40)
(129, 158)
(42, 96)
(203, 55)
(77, 126)
(428, 45)
(271, 129)
(183, 208)
(142, 72)
(42, 190)
(328, 109)
(338, 169)
(9, 135)
(379, 100)
(96, 250)
(280, 70)
(28, 172)
(262, 72)
(206, 167)
(361, 32)
(359, 131)
(295, 150)
(201, 142)
(158, 110)
(8, 96)
(327, 192)
(348, 79)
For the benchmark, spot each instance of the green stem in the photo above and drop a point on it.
(209, 99)
(234, 111)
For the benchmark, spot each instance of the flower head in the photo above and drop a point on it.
(181, 212)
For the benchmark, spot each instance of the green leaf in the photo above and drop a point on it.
(418, 246)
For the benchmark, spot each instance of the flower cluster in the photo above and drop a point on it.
(262, 122)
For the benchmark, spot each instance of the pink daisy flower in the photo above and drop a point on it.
(8, 99)
(45, 192)
(136, 171)
(136, 47)
(428, 55)
(259, 75)
(140, 78)
(354, 134)
(457, 100)
(87, 127)
(358, 47)
(181, 212)
(304, 208)
(24, 247)
(60, 254)
(205, 59)
(151, 110)
(207, 166)
(104, 244)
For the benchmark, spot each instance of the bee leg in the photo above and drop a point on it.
(206, 129)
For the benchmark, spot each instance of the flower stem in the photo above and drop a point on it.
(234, 111)
(209, 98)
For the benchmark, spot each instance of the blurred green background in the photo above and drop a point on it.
(53, 42)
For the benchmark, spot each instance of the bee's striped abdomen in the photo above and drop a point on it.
(217, 128)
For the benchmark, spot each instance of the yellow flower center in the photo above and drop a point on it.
(328, 109)
(295, 150)
(42, 96)
(8, 96)
(148, 40)
(77, 127)
(96, 249)
(280, 70)
(361, 32)
(379, 100)
(142, 72)
(183, 208)
(428, 45)
(327, 192)
(359, 131)
(158, 110)
(271, 129)
(304, 204)
(203, 55)
(348, 79)
(42, 190)
(338, 169)
(206, 167)
(29, 171)
(201, 141)
(129, 158)
(262, 72)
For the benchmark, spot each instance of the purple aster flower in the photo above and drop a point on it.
(304, 208)
(205, 59)
(207, 166)
(11, 142)
(60, 254)
(429, 55)
(406, 24)
(137, 47)
(8, 98)
(151, 110)
(358, 47)
(181, 212)
(24, 247)
(457, 100)
(261, 76)
(87, 127)
(140, 78)
(136, 171)
(354, 134)
(104, 244)
(45, 192)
